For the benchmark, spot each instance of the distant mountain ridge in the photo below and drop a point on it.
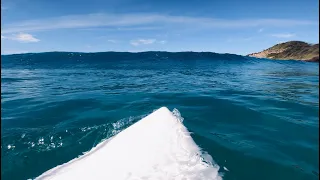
(297, 50)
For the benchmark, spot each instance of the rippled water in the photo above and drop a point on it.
(257, 118)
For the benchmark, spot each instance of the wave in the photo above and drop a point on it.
(72, 59)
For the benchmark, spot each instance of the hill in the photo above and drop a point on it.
(296, 50)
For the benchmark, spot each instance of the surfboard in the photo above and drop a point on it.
(158, 146)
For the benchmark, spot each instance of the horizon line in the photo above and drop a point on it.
(117, 52)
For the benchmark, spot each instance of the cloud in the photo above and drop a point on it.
(142, 21)
(24, 37)
(260, 30)
(21, 37)
(138, 42)
(138, 28)
(142, 42)
(287, 35)
(112, 41)
(162, 42)
(143, 28)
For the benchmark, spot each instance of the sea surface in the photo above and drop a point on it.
(257, 118)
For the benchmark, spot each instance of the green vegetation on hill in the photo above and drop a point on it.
(297, 50)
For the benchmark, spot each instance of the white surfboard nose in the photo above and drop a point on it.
(156, 147)
(163, 109)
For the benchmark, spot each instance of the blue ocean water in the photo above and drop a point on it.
(257, 118)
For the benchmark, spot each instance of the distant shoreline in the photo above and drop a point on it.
(155, 54)
(298, 50)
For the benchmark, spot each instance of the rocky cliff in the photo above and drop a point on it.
(296, 50)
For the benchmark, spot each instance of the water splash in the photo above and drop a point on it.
(177, 114)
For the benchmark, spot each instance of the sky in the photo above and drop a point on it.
(225, 26)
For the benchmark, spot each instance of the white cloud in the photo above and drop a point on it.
(102, 28)
(25, 37)
(287, 35)
(142, 42)
(260, 30)
(145, 20)
(112, 40)
(138, 28)
(21, 37)
(162, 42)
(138, 42)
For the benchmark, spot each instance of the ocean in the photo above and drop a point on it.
(257, 118)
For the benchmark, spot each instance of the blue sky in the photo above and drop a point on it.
(228, 26)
